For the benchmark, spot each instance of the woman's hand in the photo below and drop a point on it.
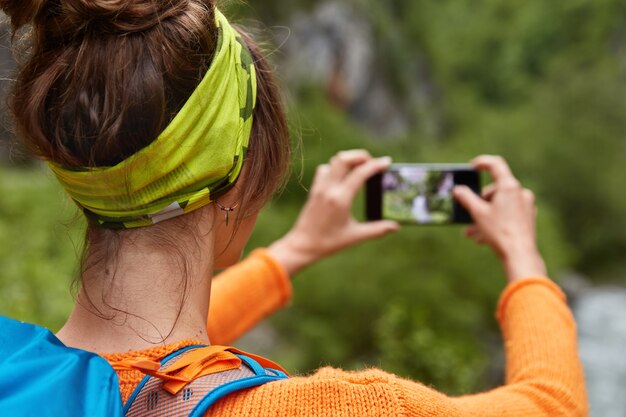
(326, 224)
(504, 219)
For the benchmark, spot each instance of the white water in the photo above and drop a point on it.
(601, 316)
(420, 209)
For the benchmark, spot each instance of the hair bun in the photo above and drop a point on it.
(121, 16)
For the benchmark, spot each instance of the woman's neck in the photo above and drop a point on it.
(149, 296)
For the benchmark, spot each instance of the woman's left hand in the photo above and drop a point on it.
(326, 224)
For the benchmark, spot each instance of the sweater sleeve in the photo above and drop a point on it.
(245, 294)
(544, 376)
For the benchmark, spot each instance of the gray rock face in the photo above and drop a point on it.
(334, 47)
(332, 40)
(373, 74)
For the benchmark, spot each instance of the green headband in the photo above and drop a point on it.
(197, 158)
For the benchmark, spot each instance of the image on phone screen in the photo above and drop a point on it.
(420, 194)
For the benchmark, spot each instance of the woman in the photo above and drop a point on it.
(166, 128)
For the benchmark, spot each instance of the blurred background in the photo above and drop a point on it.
(541, 83)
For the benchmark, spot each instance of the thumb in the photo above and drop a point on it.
(471, 201)
(373, 230)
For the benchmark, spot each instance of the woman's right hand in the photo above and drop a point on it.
(504, 219)
(326, 224)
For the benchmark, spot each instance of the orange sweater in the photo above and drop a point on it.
(544, 376)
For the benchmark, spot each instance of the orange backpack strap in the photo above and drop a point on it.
(189, 381)
(260, 359)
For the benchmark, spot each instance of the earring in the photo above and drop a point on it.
(226, 210)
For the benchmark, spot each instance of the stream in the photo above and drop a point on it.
(601, 316)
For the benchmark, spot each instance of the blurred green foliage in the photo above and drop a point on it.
(540, 83)
(39, 243)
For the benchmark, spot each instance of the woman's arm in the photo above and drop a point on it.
(504, 219)
(248, 292)
(544, 375)
(245, 294)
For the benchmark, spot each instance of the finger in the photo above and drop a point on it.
(470, 231)
(479, 240)
(475, 205)
(488, 191)
(321, 179)
(359, 175)
(344, 161)
(497, 168)
(529, 196)
(478, 237)
(530, 199)
(374, 230)
(473, 232)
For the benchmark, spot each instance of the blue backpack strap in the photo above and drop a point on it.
(164, 362)
(233, 383)
(197, 397)
(40, 375)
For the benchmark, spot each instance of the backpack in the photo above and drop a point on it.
(40, 376)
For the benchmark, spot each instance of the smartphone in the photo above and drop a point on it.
(420, 193)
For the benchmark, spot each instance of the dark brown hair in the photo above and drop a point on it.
(100, 79)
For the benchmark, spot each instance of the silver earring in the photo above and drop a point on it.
(226, 210)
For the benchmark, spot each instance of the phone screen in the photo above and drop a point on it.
(420, 193)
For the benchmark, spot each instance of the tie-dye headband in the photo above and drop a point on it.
(194, 160)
